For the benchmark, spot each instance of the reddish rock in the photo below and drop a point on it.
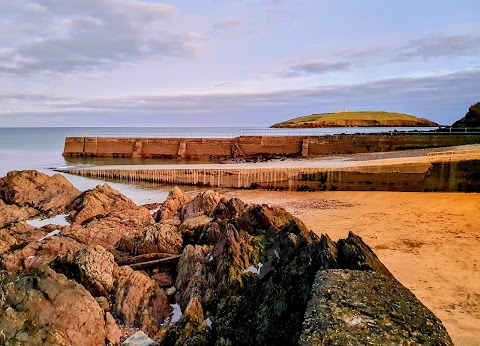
(37, 253)
(45, 308)
(163, 279)
(170, 208)
(114, 333)
(156, 238)
(203, 204)
(49, 195)
(19, 235)
(139, 301)
(10, 213)
(99, 202)
(92, 267)
(108, 230)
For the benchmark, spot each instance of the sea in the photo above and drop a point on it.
(41, 148)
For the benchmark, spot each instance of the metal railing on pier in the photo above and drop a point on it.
(219, 133)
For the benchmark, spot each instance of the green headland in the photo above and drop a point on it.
(347, 119)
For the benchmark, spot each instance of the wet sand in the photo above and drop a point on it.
(429, 241)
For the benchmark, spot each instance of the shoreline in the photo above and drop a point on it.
(429, 241)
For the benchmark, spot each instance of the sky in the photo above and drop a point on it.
(234, 62)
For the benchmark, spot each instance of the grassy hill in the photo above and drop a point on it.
(347, 119)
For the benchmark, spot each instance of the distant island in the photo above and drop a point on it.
(354, 119)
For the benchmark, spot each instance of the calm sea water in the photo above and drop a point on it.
(41, 149)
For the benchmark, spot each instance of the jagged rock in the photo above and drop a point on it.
(139, 301)
(353, 253)
(99, 201)
(170, 208)
(91, 266)
(108, 230)
(192, 229)
(10, 213)
(20, 234)
(37, 253)
(45, 308)
(228, 209)
(352, 307)
(156, 238)
(163, 279)
(471, 119)
(203, 204)
(32, 189)
(264, 220)
(192, 275)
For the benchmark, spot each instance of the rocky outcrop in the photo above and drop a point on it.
(45, 308)
(31, 189)
(99, 202)
(255, 281)
(243, 274)
(139, 301)
(471, 119)
(203, 204)
(354, 307)
(157, 238)
(108, 230)
(37, 253)
(10, 213)
(92, 267)
(170, 208)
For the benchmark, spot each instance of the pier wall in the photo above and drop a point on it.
(251, 146)
(438, 176)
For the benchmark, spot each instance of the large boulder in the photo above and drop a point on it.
(45, 308)
(92, 267)
(471, 119)
(157, 238)
(109, 229)
(354, 307)
(99, 202)
(31, 189)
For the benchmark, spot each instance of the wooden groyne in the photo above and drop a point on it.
(214, 149)
(436, 176)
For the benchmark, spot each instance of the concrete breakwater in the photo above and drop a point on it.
(436, 176)
(256, 146)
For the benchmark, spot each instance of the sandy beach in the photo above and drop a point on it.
(429, 241)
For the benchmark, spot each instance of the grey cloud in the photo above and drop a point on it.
(314, 68)
(64, 36)
(442, 98)
(435, 46)
(428, 47)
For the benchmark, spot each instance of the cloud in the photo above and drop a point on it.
(227, 24)
(64, 36)
(434, 46)
(441, 98)
(314, 68)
